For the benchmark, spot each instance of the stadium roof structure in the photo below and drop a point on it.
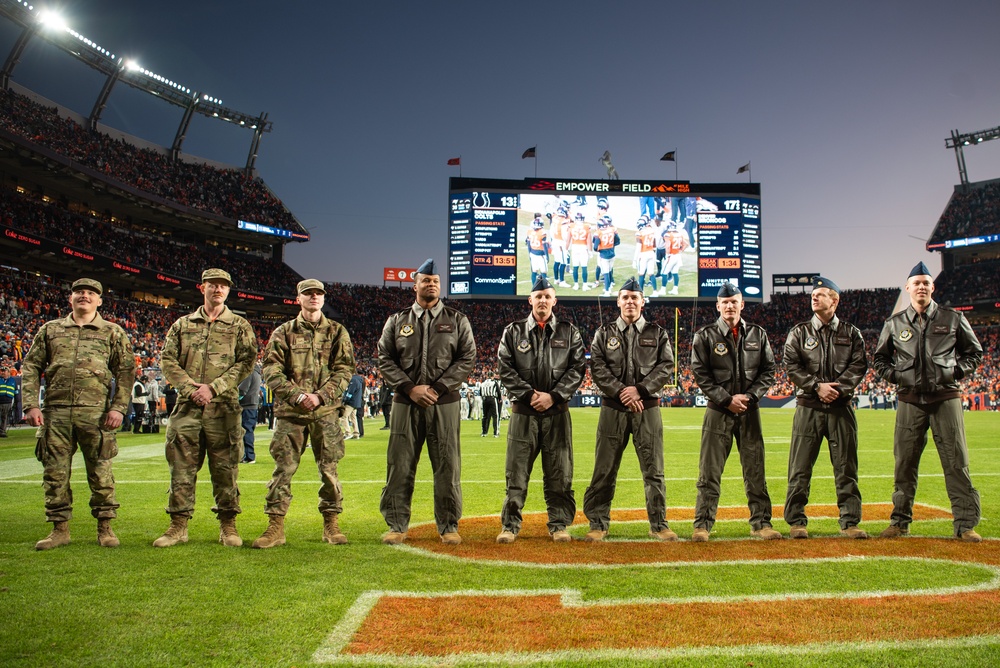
(959, 140)
(50, 27)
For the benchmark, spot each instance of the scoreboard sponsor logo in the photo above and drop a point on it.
(398, 274)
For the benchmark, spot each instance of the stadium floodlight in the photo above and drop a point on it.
(52, 20)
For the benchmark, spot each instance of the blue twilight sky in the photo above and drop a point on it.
(842, 108)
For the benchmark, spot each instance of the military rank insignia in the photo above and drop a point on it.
(720, 349)
(523, 346)
(614, 343)
(906, 335)
(810, 343)
(406, 330)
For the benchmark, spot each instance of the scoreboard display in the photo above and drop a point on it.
(681, 240)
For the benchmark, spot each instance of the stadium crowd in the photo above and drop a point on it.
(26, 302)
(225, 192)
(967, 283)
(971, 213)
(134, 245)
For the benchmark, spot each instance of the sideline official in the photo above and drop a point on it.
(825, 359)
(541, 365)
(425, 353)
(489, 390)
(925, 350)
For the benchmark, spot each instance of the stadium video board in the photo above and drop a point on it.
(683, 240)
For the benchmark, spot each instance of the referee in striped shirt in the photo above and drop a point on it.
(489, 390)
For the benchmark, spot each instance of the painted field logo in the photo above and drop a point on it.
(866, 606)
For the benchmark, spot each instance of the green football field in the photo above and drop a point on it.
(308, 602)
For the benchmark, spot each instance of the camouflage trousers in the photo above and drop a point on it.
(58, 438)
(291, 435)
(193, 434)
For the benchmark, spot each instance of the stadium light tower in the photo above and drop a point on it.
(51, 27)
(958, 141)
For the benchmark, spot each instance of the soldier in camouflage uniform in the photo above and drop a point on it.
(205, 356)
(308, 364)
(426, 352)
(80, 356)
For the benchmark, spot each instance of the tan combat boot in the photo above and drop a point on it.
(331, 530)
(228, 535)
(105, 536)
(57, 538)
(177, 532)
(274, 534)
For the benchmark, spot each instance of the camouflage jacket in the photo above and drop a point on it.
(220, 353)
(79, 363)
(304, 358)
(443, 359)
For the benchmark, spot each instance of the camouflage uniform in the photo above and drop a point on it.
(79, 363)
(425, 347)
(220, 353)
(306, 358)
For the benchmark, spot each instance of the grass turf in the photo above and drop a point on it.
(203, 604)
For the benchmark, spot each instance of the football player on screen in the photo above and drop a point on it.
(579, 250)
(675, 242)
(602, 210)
(537, 242)
(558, 227)
(605, 241)
(645, 253)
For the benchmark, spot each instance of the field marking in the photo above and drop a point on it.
(379, 629)
(336, 648)
(741, 652)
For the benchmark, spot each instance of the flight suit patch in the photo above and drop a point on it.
(906, 335)
(614, 343)
(941, 329)
(446, 328)
(559, 343)
(810, 343)
(648, 342)
(523, 346)
(751, 345)
(720, 349)
(406, 330)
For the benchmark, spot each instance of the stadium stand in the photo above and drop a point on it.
(226, 192)
(174, 251)
(974, 210)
